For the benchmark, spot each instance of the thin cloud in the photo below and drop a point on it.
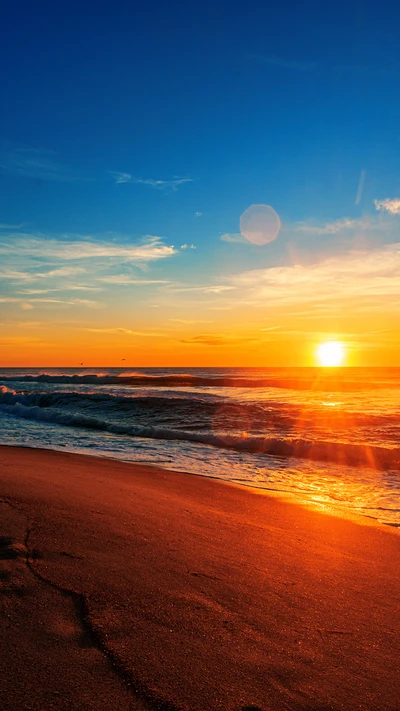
(391, 205)
(64, 287)
(360, 188)
(214, 289)
(121, 178)
(124, 280)
(14, 341)
(189, 321)
(235, 237)
(124, 332)
(332, 228)
(36, 163)
(349, 229)
(173, 184)
(151, 248)
(65, 271)
(220, 340)
(70, 302)
(354, 278)
(15, 275)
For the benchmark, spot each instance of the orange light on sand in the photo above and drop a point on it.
(330, 353)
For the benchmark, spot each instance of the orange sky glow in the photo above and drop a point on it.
(148, 303)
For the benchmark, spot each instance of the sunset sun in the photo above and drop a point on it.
(330, 353)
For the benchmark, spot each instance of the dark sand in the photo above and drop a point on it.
(128, 587)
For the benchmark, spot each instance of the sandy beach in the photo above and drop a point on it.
(129, 587)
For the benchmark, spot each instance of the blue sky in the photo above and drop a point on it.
(125, 124)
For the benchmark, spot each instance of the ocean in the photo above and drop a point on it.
(329, 437)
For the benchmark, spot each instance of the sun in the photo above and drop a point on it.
(330, 353)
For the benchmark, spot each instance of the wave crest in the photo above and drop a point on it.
(33, 406)
(315, 380)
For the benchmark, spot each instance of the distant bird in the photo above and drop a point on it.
(123, 358)
(81, 364)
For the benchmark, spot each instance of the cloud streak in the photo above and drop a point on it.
(42, 164)
(125, 332)
(334, 227)
(218, 340)
(234, 237)
(36, 163)
(70, 302)
(124, 280)
(354, 278)
(151, 248)
(121, 178)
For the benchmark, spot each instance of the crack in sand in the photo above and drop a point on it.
(135, 687)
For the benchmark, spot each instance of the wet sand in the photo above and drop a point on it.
(130, 587)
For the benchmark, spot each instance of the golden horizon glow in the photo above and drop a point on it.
(330, 354)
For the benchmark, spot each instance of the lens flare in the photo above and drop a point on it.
(260, 224)
(330, 353)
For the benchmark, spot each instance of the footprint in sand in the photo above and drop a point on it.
(12, 567)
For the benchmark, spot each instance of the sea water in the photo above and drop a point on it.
(325, 437)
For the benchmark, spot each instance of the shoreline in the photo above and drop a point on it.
(189, 594)
(280, 494)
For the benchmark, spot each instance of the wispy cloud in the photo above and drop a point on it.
(360, 188)
(121, 178)
(391, 205)
(151, 248)
(125, 332)
(69, 302)
(125, 280)
(65, 271)
(36, 163)
(14, 341)
(212, 339)
(353, 278)
(44, 270)
(65, 287)
(332, 228)
(42, 164)
(348, 228)
(189, 321)
(234, 237)
(172, 184)
(15, 275)
(212, 289)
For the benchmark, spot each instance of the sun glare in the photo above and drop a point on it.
(330, 353)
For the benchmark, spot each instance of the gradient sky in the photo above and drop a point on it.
(133, 138)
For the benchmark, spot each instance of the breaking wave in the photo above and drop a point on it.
(40, 406)
(314, 379)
